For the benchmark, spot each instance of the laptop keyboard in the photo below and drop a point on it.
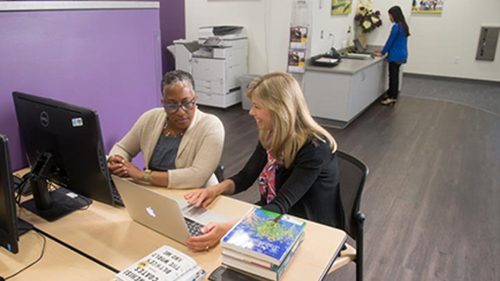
(193, 227)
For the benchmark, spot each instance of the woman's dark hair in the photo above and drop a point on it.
(398, 17)
(175, 76)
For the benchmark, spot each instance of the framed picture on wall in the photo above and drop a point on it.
(341, 7)
(427, 6)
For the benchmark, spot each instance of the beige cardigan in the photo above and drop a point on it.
(199, 152)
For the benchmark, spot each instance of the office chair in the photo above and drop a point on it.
(219, 172)
(353, 174)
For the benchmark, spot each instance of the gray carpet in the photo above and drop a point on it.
(477, 94)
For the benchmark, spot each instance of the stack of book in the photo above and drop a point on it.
(164, 264)
(262, 244)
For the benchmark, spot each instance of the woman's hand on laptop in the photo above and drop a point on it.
(205, 196)
(202, 197)
(213, 233)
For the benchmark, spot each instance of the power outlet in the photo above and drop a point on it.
(456, 60)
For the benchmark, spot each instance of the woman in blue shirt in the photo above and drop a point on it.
(397, 47)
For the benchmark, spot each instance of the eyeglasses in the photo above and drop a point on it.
(172, 108)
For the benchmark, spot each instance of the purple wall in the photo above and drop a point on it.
(173, 26)
(107, 60)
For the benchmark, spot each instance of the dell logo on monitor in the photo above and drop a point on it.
(44, 119)
(151, 212)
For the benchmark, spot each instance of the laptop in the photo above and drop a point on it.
(170, 216)
(360, 49)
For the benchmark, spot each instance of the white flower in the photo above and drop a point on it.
(375, 19)
(367, 24)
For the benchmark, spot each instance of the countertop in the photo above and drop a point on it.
(348, 66)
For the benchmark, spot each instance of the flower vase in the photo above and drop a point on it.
(362, 39)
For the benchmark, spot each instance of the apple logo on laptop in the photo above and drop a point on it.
(151, 212)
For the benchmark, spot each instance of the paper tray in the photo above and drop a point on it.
(324, 61)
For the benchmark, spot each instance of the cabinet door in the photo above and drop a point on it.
(327, 94)
(367, 85)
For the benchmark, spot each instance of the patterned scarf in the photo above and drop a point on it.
(267, 184)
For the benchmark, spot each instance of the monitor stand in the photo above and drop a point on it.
(63, 203)
(50, 205)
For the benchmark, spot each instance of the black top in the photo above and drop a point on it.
(165, 153)
(308, 189)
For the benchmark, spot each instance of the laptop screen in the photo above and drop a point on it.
(358, 46)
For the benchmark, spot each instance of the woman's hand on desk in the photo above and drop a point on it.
(123, 168)
(133, 172)
(377, 53)
(116, 167)
(213, 233)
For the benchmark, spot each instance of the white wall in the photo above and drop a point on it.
(339, 24)
(434, 43)
(323, 22)
(267, 23)
(436, 40)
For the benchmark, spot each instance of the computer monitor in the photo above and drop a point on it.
(10, 227)
(64, 145)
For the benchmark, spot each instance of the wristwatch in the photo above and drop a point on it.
(145, 177)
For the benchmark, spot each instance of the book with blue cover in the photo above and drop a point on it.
(264, 235)
(274, 273)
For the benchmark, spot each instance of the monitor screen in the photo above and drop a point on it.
(63, 143)
(8, 218)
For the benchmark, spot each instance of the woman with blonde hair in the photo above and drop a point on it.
(294, 161)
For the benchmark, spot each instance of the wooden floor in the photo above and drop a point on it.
(432, 199)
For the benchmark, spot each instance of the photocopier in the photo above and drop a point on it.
(216, 60)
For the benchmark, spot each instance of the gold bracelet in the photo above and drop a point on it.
(145, 177)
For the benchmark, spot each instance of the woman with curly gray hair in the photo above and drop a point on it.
(181, 145)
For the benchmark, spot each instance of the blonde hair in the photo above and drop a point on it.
(292, 123)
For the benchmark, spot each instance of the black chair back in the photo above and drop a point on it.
(219, 172)
(353, 174)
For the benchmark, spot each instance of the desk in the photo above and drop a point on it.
(75, 267)
(107, 234)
